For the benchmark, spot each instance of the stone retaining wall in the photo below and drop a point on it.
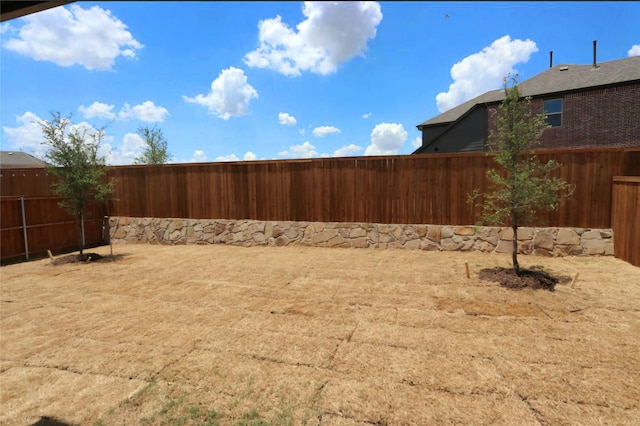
(537, 241)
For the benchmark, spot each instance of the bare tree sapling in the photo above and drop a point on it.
(524, 185)
(73, 157)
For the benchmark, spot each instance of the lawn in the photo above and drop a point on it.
(299, 335)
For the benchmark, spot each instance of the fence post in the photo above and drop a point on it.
(24, 228)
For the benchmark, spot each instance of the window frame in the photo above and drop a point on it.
(559, 113)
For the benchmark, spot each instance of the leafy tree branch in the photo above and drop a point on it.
(156, 149)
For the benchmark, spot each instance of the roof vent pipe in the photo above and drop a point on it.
(551, 59)
(594, 53)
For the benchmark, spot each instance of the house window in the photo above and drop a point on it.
(553, 112)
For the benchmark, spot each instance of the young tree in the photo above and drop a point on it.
(73, 157)
(156, 150)
(526, 187)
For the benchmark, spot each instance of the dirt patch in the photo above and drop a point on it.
(535, 279)
(301, 335)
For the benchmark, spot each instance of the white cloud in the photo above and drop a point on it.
(99, 110)
(331, 34)
(83, 128)
(230, 94)
(146, 111)
(485, 70)
(198, 156)
(91, 37)
(249, 156)
(325, 130)
(417, 142)
(367, 115)
(386, 139)
(26, 137)
(230, 157)
(634, 51)
(347, 150)
(287, 120)
(6, 28)
(306, 150)
(131, 147)
(302, 131)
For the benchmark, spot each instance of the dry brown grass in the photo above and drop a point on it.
(298, 335)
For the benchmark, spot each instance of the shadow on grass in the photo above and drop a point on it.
(113, 257)
(88, 258)
(51, 421)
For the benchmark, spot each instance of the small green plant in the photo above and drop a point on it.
(180, 421)
(211, 418)
(168, 406)
(135, 399)
(194, 412)
(252, 418)
(253, 414)
(313, 415)
(148, 420)
(283, 417)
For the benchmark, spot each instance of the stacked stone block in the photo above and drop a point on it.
(537, 241)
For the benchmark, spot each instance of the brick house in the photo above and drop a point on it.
(586, 106)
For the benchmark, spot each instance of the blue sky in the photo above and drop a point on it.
(229, 81)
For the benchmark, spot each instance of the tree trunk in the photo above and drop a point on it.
(80, 233)
(514, 255)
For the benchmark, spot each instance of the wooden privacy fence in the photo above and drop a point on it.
(626, 218)
(32, 225)
(427, 189)
(420, 189)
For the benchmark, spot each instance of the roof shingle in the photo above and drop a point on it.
(561, 78)
(9, 159)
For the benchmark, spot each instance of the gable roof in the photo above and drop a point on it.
(16, 159)
(561, 78)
